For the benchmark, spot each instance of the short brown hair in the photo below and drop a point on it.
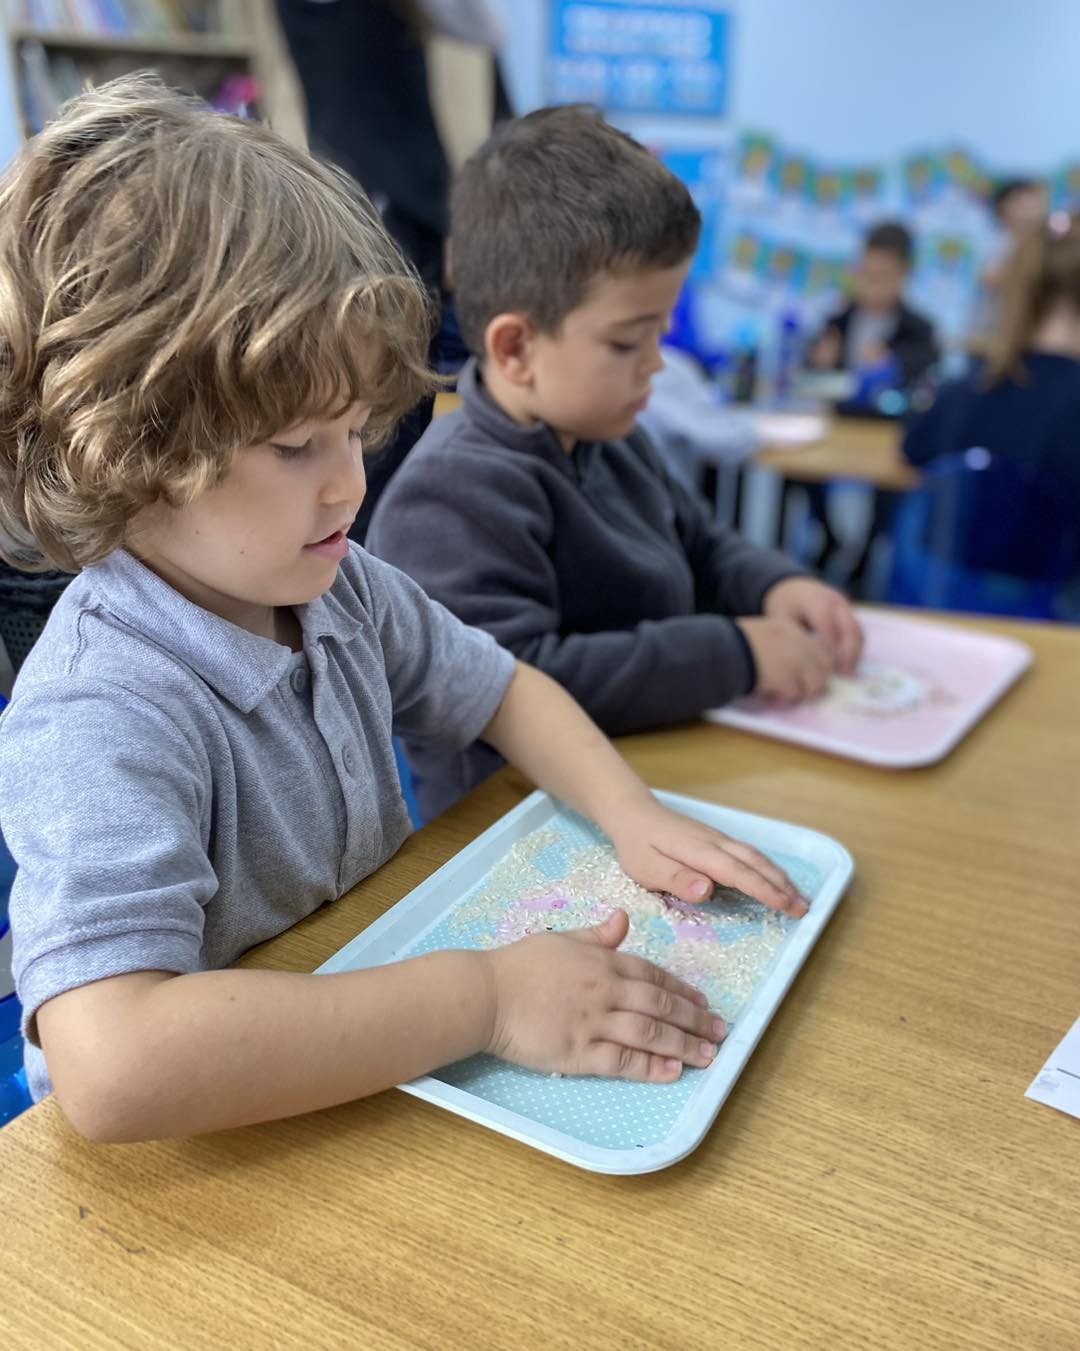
(892, 236)
(1010, 188)
(176, 284)
(548, 203)
(1043, 272)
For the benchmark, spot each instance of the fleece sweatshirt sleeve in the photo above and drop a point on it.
(731, 575)
(475, 532)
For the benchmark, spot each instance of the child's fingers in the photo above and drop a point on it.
(850, 641)
(730, 871)
(840, 629)
(762, 863)
(817, 668)
(637, 968)
(646, 999)
(610, 1061)
(715, 852)
(814, 679)
(639, 1032)
(609, 933)
(687, 884)
(807, 672)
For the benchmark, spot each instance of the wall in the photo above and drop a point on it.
(10, 134)
(846, 83)
(871, 78)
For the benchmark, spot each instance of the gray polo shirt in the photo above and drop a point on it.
(175, 789)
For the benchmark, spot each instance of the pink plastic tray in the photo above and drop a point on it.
(919, 690)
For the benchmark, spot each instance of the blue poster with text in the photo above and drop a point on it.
(658, 56)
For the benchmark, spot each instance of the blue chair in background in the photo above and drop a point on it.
(408, 788)
(987, 535)
(14, 1093)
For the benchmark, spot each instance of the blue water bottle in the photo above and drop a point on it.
(744, 365)
(789, 355)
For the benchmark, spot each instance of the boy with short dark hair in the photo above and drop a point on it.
(540, 511)
(878, 323)
(889, 347)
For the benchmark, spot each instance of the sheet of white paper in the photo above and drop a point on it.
(789, 429)
(1058, 1082)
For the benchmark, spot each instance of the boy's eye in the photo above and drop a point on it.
(624, 348)
(288, 452)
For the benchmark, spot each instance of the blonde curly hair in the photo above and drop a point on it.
(176, 284)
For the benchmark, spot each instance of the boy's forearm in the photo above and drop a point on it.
(549, 737)
(211, 1050)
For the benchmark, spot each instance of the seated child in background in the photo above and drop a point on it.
(888, 346)
(1023, 401)
(199, 325)
(878, 328)
(539, 510)
(1019, 206)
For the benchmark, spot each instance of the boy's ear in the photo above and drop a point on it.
(508, 345)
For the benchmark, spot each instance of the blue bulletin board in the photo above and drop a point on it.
(705, 173)
(656, 56)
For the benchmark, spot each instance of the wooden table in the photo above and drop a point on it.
(863, 449)
(876, 1180)
(446, 401)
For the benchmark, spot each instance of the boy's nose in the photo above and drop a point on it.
(349, 481)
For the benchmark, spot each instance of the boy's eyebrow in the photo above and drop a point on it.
(637, 319)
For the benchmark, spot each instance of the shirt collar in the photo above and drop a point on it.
(240, 666)
(535, 439)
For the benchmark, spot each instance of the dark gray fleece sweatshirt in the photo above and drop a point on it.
(594, 566)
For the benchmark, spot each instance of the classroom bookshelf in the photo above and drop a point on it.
(228, 51)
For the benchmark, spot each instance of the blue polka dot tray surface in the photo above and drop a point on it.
(544, 867)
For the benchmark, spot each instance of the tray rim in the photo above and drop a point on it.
(882, 759)
(715, 1083)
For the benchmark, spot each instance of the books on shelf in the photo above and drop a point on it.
(117, 17)
(48, 78)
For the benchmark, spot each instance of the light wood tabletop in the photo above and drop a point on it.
(862, 449)
(446, 401)
(877, 1178)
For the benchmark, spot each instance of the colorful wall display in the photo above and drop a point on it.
(784, 229)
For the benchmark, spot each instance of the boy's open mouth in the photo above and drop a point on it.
(335, 545)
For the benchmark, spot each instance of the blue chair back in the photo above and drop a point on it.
(986, 534)
(14, 1093)
(408, 788)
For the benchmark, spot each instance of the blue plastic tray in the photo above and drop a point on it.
(604, 1125)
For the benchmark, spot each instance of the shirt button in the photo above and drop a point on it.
(298, 680)
(348, 759)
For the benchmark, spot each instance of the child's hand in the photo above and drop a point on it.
(570, 1003)
(874, 356)
(663, 850)
(827, 351)
(792, 664)
(822, 610)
